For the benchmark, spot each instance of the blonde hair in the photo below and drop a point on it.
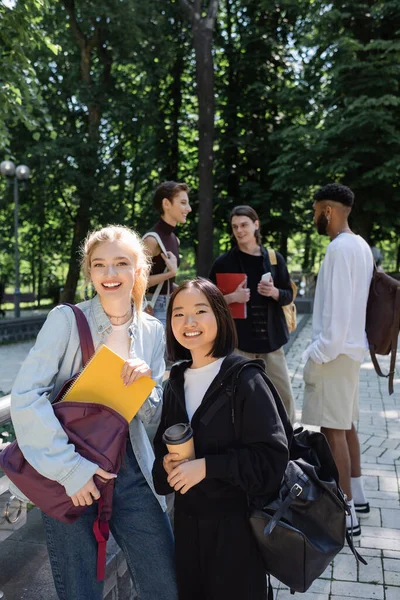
(120, 233)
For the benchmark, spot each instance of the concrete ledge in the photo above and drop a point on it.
(25, 572)
(304, 305)
(20, 330)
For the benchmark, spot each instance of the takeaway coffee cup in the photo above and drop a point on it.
(179, 439)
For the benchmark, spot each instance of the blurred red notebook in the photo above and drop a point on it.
(227, 283)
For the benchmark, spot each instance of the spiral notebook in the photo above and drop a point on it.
(100, 382)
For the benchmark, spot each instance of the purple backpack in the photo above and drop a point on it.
(98, 433)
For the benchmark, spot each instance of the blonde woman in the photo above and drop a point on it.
(114, 261)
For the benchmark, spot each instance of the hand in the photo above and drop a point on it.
(185, 476)
(171, 262)
(242, 293)
(267, 288)
(171, 460)
(134, 369)
(89, 492)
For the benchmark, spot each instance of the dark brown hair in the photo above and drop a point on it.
(168, 190)
(246, 211)
(226, 340)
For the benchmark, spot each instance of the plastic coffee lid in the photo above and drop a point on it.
(177, 434)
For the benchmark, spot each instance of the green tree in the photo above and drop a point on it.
(203, 22)
(19, 90)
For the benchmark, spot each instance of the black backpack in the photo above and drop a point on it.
(300, 531)
(383, 320)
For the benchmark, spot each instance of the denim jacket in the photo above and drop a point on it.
(55, 357)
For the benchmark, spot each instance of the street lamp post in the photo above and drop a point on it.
(21, 173)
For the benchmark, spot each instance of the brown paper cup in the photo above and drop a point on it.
(179, 440)
(185, 450)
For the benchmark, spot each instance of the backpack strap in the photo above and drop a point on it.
(393, 353)
(85, 336)
(395, 337)
(272, 257)
(101, 528)
(157, 291)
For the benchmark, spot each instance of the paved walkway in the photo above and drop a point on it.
(11, 358)
(379, 432)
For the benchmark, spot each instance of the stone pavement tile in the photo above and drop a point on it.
(320, 586)
(365, 459)
(383, 503)
(357, 590)
(382, 532)
(286, 595)
(345, 568)
(373, 451)
(392, 593)
(371, 573)
(372, 429)
(391, 444)
(11, 358)
(335, 597)
(391, 518)
(389, 456)
(392, 578)
(274, 582)
(327, 574)
(391, 554)
(363, 438)
(391, 564)
(382, 543)
(376, 441)
(384, 494)
(370, 482)
(369, 552)
(388, 484)
(379, 469)
(372, 519)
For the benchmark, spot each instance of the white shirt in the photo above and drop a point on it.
(197, 382)
(119, 340)
(340, 305)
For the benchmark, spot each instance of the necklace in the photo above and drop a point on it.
(128, 313)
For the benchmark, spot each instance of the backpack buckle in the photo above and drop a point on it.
(296, 490)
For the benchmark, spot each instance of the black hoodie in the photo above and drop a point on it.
(245, 458)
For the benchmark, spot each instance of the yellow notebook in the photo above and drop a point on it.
(100, 382)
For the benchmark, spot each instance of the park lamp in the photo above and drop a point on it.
(20, 173)
(8, 169)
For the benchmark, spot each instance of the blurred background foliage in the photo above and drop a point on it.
(104, 99)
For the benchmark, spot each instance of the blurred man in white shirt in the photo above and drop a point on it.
(339, 342)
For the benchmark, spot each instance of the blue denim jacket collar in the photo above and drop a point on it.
(103, 323)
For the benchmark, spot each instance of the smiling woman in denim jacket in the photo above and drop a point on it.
(113, 259)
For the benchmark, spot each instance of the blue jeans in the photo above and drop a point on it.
(140, 528)
(160, 308)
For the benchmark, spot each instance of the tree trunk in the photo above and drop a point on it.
(176, 99)
(231, 155)
(81, 228)
(205, 94)
(203, 29)
(89, 159)
(306, 258)
(283, 244)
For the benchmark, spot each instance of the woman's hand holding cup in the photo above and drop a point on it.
(172, 460)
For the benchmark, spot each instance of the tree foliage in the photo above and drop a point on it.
(105, 99)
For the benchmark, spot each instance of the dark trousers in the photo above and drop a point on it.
(217, 559)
